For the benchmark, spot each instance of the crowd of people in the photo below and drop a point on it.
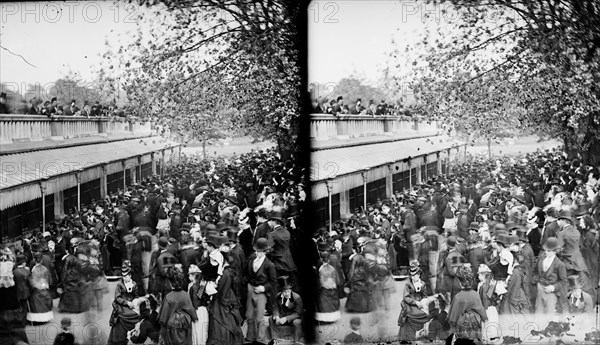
(199, 252)
(338, 107)
(207, 253)
(500, 237)
(37, 106)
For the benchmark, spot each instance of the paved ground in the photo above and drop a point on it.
(386, 328)
(514, 146)
(236, 146)
(371, 139)
(88, 328)
(85, 326)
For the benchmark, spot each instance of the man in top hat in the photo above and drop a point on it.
(527, 260)
(3, 106)
(409, 221)
(578, 301)
(262, 226)
(551, 227)
(516, 299)
(287, 311)
(237, 261)
(189, 253)
(121, 219)
(176, 222)
(279, 238)
(160, 283)
(534, 233)
(262, 282)
(550, 276)
(421, 255)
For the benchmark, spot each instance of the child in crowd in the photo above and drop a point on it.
(65, 337)
(354, 336)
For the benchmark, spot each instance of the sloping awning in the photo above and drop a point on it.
(337, 162)
(20, 172)
(344, 165)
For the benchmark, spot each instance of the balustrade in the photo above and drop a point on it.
(20, 128)
(326, 126)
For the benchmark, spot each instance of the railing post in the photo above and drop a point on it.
(102, 125)
(342, 128)
(388, 125)
(56, 130)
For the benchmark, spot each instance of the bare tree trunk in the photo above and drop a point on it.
(489, 149)
(204, 148)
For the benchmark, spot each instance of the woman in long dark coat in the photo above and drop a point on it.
(123, 318)
(466, 315)
(176, 312)
(70, 300)
(359, 287)
(412, 316)
(225, 320)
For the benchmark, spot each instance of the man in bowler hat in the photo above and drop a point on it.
(551, 278)
(262, 282)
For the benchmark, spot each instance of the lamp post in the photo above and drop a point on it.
(124, 176)
(78, 178)
(43, 190)
(329, 183)
(364, 176)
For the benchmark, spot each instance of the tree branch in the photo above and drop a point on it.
(21, 56)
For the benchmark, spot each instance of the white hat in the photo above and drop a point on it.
(483, 268)
(194, 269)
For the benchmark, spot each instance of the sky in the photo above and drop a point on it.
(355, 36)
(58, 37)
(345, 36)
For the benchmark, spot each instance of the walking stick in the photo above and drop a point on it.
(28, 308)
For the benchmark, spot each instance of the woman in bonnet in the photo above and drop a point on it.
(123, 317)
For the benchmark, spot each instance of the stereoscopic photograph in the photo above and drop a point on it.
(454, 171)
(294, 172)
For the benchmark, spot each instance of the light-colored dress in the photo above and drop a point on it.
(200, 327)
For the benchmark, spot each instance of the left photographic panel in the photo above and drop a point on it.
(152, 178)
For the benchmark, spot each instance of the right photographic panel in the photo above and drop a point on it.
(455, 168)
